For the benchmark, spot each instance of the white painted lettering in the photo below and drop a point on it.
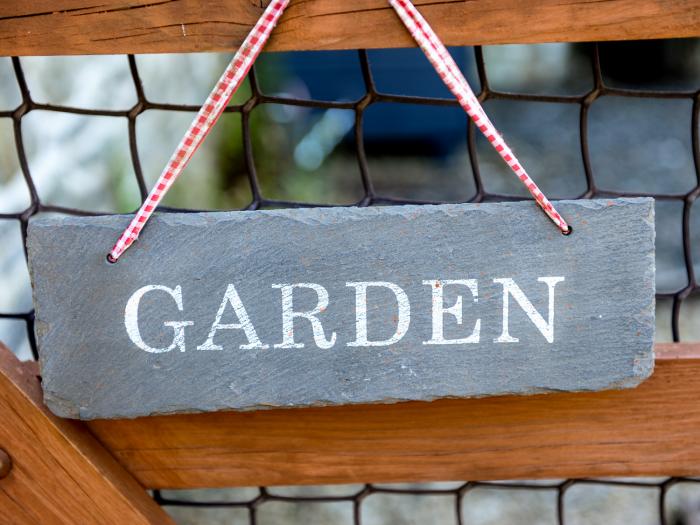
(231, 297)
(288, 315)
(403, 318)
(545, 328)
(437, 286)
(131, 319)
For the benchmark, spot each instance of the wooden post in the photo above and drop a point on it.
(55, 471)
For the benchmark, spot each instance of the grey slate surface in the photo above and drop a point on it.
(603, 327)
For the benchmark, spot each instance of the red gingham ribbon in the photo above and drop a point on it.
(242, 61)
(207, 116)
(451, 75)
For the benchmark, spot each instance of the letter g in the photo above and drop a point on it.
(131, 319)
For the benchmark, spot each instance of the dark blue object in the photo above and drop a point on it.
(336, 75)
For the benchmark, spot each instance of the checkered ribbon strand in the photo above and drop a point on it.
(453, 78)
(207, 116)
(237, 70)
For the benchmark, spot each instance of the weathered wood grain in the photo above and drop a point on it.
(437, 319)
(647, 431)
(60, 473)
(49, 27)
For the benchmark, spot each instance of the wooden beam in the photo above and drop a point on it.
(60, 474)
(650, 430)
(68, 27)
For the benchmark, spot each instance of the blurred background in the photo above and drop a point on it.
(79, 134)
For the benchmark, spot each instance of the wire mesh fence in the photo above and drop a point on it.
(465, 503)
(593, 181)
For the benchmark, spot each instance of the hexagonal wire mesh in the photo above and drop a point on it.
(455, 497)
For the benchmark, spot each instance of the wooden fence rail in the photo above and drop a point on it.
(71, 27)
(649, 430)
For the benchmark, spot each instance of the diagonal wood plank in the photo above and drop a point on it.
(68, 27)
(60, 473)
(649, 430)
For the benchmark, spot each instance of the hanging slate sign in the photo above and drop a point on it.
(292, 308)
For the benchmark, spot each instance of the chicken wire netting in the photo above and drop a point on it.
(372, 128)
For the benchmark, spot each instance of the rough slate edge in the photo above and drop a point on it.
(644, 363)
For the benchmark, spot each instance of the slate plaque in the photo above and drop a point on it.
(292, 308)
